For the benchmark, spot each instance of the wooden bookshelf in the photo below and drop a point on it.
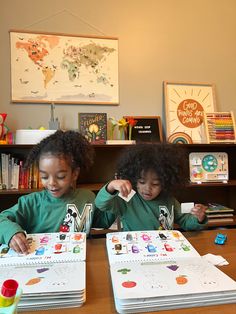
(104, 167)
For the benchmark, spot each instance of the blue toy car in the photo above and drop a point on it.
(220, 238)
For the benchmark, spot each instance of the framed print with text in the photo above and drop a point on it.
(59, 68)
(185, 104)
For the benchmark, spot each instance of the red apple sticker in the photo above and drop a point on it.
(129, 284)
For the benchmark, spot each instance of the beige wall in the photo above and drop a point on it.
(174, 40)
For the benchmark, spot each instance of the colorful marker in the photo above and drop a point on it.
(8, 292)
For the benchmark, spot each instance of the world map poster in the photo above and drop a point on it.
(58, 68)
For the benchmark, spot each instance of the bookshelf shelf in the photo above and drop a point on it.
(214, 184)
(104, 166)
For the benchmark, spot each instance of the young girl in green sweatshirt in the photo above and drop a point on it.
(60, 206)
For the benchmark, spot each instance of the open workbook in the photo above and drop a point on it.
(160, 270)
(52, 274)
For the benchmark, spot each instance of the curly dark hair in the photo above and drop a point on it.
(68, 144)
(168, 161)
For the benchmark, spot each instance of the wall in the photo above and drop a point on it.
(173, 40)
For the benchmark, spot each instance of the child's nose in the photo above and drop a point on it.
(51, 181)
(148, 187)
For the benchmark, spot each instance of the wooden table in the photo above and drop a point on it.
(99, 290)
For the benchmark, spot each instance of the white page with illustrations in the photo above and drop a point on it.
(47, 248)
(169, 280)
(48, 279)
(154, 245)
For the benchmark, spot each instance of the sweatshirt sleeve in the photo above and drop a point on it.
(103, 219)
(106, 201)
(187, 221)
(11, 221)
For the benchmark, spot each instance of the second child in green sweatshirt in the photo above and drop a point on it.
(153, 171)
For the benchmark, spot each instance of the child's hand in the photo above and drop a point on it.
(19, 243)
(123, 186)
(199, 211)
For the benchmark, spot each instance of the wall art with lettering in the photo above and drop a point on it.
(185, 104)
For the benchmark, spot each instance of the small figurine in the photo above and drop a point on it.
(54, 124)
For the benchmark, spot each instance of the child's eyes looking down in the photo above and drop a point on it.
(57, 178)
(153, 183)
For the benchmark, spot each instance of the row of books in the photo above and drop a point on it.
(13, 176)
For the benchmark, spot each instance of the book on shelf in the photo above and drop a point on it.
(161, 270)
(14, 176)
(220, 221)
(217, 208)
(93, 126)
(219, 213)
(52, 275)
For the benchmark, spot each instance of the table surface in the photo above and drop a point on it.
(99, 295)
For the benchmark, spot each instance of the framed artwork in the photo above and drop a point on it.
(185, 104)
(60, 68)
(93, 126)
(144, 128)
(220, 127)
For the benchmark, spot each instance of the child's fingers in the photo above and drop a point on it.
(125, 189)
(19, 243)
(199, 211)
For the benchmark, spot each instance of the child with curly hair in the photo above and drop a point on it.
(60, 206)
(154, 171)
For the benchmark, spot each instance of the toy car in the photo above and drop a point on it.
(220, 238)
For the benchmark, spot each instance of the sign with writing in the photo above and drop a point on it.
(185, 105)
(145, 128)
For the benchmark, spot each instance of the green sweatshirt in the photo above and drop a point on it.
(40, 212)
(138, 214)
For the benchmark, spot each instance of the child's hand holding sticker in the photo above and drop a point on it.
(128, 198)
(186, 207)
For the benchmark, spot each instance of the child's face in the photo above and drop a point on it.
(56, 175)
(148, 186)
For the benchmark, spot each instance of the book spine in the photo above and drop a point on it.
(4, 171)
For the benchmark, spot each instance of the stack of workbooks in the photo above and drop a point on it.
(160, 270)
(217, 213)
(52, 275)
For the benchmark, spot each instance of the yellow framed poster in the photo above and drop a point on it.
(185, 104)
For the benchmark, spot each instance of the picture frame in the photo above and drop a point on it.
(220, 127)
(93, 126)
(185, 104)
(63, 68)
(146, 128)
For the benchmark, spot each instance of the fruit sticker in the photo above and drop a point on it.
(124, 271)
(173, 267)
(129, 284)
(34, 281)
(42, 270)
(181, 280)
